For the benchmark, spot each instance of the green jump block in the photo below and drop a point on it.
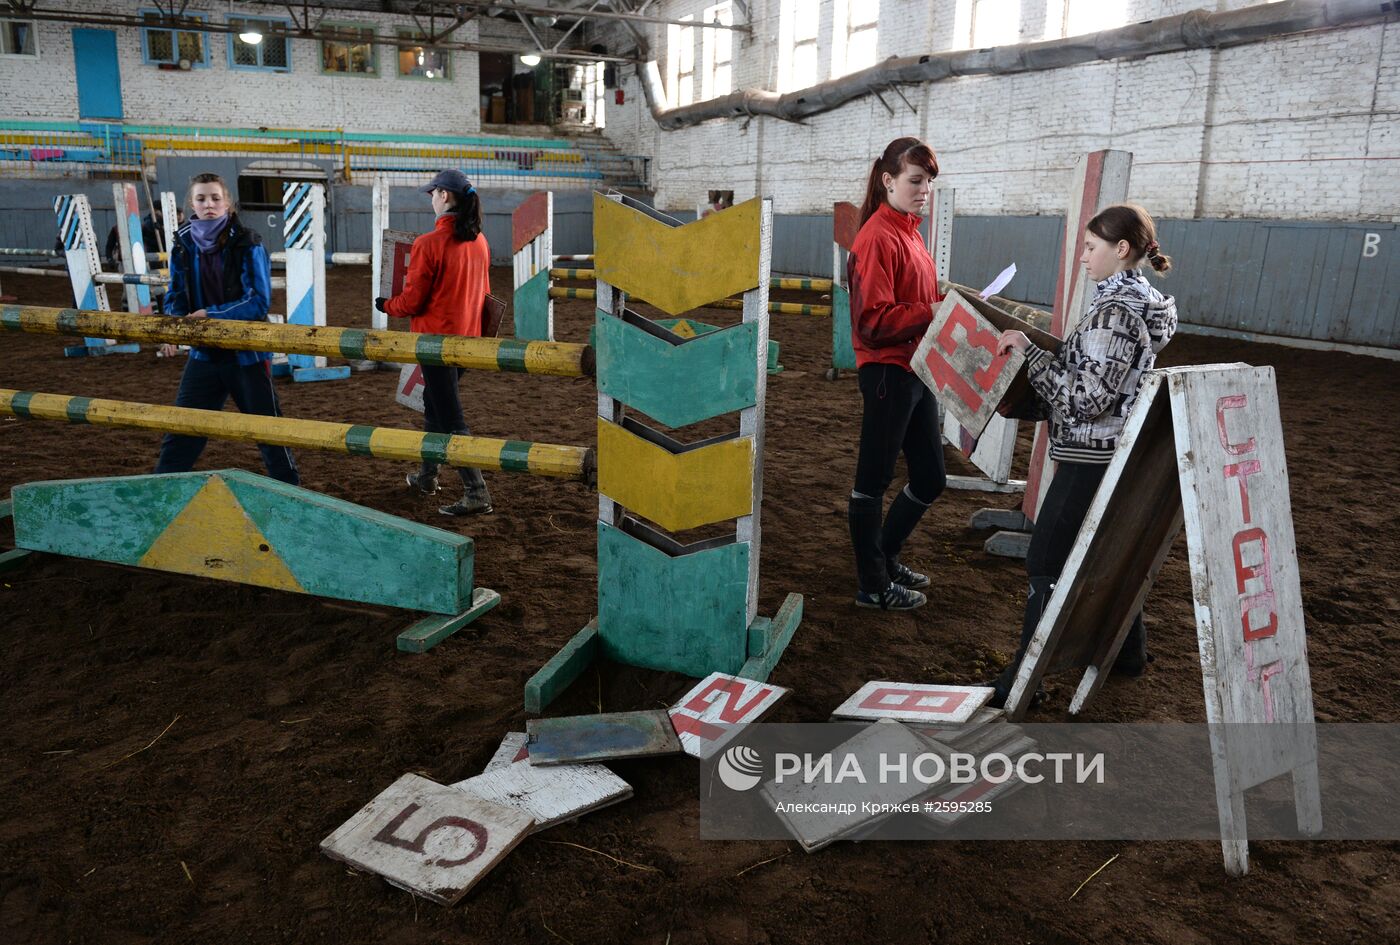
(843, 353)
(769, 638)
(14, 559)
(677, 383)
(562, 669)
(235, 526)
(531, 308)
(685, 613)
(430, 631)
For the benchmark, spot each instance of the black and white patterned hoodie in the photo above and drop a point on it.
(1087, 388)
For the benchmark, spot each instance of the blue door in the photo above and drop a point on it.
(99, 79)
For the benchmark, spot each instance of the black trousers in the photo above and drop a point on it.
(900, 415)
(206, 385)
(442, 408)
(1057, 526)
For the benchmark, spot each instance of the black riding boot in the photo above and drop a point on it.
(900, 522)
(1036, 602)
(863, 514)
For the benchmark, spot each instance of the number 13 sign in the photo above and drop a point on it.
(958, 361)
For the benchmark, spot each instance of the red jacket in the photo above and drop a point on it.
(446, 284)
(894, 288)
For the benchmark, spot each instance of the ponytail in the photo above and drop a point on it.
(467, 212)
(900, 153)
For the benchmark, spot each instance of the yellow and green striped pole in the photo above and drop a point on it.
(536, 459)
(555, 358)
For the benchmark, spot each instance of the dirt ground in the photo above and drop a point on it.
(283, 714)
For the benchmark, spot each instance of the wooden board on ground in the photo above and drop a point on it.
(956, 734)
(958, 361)
(914, 702)
(394, 246)
(812, 826)
(710, 714)
(511, 750)
(430, 839)
(548, 795)
(606, 737)
(949, 807)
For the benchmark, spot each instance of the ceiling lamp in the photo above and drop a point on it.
(251, 37)
(530, 59)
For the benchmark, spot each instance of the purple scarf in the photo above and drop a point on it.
(206, 232)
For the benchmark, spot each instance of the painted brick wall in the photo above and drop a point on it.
(1301, 128)
(46, 88)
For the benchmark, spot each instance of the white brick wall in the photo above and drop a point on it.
(1306, 127)
(219, 96)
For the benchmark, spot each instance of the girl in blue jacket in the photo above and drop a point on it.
(219, 269)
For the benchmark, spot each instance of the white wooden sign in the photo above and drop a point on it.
(949, 807)
(430, 839)
(709, 715)
(409, 391)
(1220, 424)
(394, 250)
(1248, 598)
(512, 749)
(914, 702)
(958, 361)
(548, 795)
(800, 804)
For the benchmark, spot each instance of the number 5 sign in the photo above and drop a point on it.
(433, 840)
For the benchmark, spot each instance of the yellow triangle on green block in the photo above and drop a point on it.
(213, 537)
(683, 328)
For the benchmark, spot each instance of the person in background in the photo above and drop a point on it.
(219, 269)
(1086, 390)
(449, 277)
(894, 290)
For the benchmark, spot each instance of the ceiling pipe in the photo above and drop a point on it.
(1195, 29)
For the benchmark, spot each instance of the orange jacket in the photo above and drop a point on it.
(446, 284)
(894, 288)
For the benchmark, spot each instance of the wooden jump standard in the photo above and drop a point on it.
(559, 359)
(536, 459)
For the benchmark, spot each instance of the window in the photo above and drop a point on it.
(161, 45)
(600, 85)
(680, 62)
(273, 54)
(797, 44)
(717, 52)
(353, 54)
(1077, 17)
(854, 36)
(423, 62)
(995, 23)
(17, 38)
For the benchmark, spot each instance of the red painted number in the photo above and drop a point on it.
(419, 843)
(730, 691)
(935, 702)
(977, 337)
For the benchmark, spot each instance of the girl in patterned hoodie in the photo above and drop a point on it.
(1085, 391)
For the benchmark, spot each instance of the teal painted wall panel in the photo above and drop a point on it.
(531, 308)
(707, 376)
(339, 549)
(843, 353)
(113, 519)
(687, 615)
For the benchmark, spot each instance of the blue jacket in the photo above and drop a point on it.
(247, 283)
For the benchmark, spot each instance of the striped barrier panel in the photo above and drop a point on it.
(662, 603)
(133, 250)
(303, 232)
(80, 251)
(507, 355)
(532, 248)
(536, 459)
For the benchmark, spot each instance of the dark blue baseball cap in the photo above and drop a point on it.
(450, 179)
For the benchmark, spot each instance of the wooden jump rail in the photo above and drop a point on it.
(737, 305)
(554, 358)
(536, 459)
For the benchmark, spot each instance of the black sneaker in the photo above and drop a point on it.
(468, 506)
(893, 597)
(905, 576)
(422, 485)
